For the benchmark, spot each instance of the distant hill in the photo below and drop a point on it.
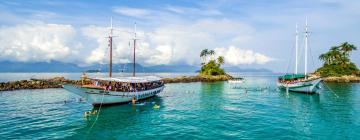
(237, 69)
(56, 66)
(52, 66)
(172, 68)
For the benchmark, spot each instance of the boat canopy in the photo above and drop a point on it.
(292, 76)
(142, 79)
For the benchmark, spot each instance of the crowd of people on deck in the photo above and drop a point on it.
(291, 81)
(127, 87)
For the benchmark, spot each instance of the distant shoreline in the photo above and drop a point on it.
(57, 82)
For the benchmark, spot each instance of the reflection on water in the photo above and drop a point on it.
(188, 111)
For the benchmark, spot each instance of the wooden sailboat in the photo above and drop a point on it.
(117, 90)
(304, 83)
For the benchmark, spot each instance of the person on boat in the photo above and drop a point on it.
(133, 100)
(83, 78)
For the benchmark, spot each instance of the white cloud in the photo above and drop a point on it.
(171, 44)
(132, 12)
(38, 41)
(185, 42)
(122, 47)
(237, 56)
(193, 11)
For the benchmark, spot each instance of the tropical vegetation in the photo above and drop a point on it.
(337, 61)
(211, 66)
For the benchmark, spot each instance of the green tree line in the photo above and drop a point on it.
(337, 61)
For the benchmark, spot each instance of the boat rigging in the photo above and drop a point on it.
(117, 90)
(304, 83)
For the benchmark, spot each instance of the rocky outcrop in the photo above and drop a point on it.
(343, 79)
(55, 82)
(25, 84)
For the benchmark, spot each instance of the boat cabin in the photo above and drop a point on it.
(125, 84)
(291, 78)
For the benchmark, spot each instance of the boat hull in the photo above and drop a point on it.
(310, 86)
(99, 97)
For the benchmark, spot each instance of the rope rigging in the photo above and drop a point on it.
(97, 115)
(330, 90)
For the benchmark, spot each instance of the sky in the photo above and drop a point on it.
(249, 34)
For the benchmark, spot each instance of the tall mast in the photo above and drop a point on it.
(110, 45)
(306, 45)
(134, 50)
(296, 50)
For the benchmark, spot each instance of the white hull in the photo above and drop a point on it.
(236, 81)
(310, 86)
(97, 97)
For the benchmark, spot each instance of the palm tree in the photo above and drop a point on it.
(346, 48)
(212, 53)
(329, 57)
(220, 60)
(324, 57)
(203, 55)
(332, 57)
(335, 55)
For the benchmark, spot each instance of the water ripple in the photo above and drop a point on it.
(187, 111)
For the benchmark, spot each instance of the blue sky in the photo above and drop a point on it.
(250, 34)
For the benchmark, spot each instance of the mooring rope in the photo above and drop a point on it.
(97, 115)
(331, 90)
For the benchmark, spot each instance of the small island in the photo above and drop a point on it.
(210, 71)
(337, 65)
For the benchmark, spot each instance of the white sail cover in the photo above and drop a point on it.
(142, 79)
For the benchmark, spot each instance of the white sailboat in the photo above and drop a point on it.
(236, 82)
(304, 83)
(117, 90)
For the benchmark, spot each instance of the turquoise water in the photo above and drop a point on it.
(188, 111)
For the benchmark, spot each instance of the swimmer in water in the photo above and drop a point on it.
(156, 106)
(87, 114)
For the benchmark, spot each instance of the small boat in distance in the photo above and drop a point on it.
(236, 82)
(304, 83)
(117, 90)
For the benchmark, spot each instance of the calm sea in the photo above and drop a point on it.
(187, 111)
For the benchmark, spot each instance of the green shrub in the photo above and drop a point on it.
(212, 68)
(338, 70)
